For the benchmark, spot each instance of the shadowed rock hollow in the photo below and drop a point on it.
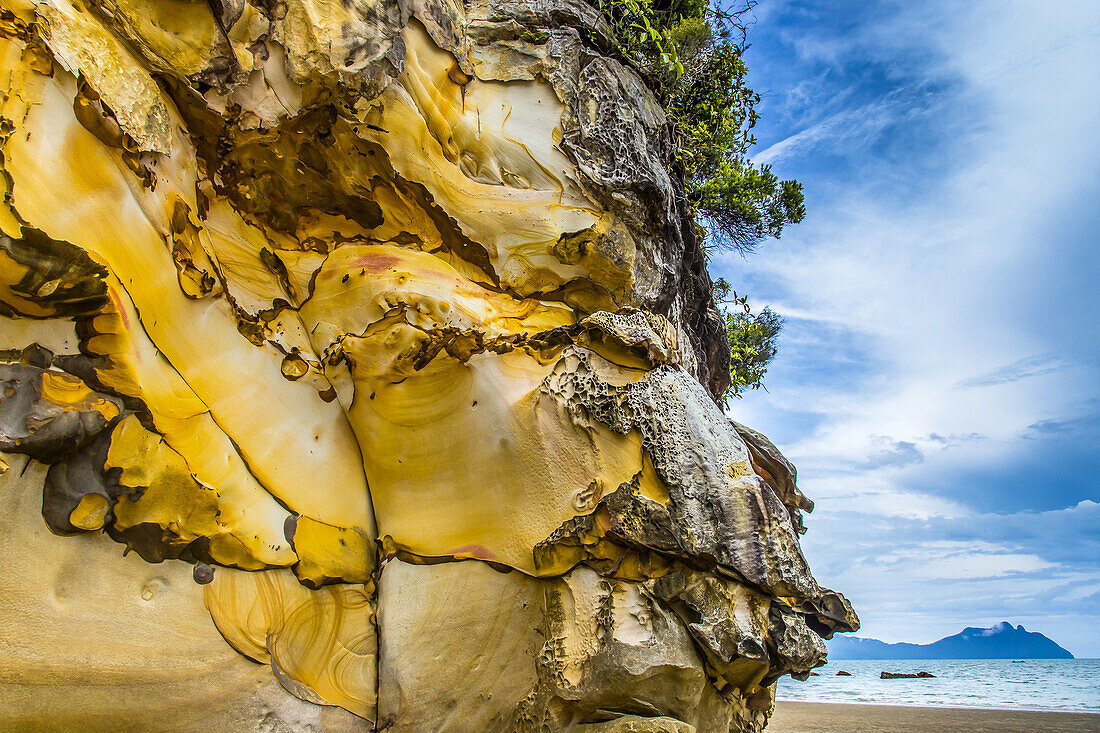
(379, 332)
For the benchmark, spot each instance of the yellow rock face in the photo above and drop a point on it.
(378, 326)
(99, 642)
(321, 644)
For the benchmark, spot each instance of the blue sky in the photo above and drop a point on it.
(938, 378)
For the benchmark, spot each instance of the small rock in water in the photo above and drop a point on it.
(842, 673)
(904, 675)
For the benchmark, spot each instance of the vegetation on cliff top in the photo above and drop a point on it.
(692, 52)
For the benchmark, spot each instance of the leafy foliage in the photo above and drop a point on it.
(692, 52)
(752, 340)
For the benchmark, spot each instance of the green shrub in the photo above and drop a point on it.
(753, 340)
(692, 54)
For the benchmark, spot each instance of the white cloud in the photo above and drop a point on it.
(1032, 366)
(933, 286)
(912, 353)
(856, 126)
(968, 565)
(912, 579)
(842, 493)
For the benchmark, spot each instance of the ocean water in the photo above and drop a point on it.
(1069, 685)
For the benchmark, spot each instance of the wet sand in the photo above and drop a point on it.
(806, 717)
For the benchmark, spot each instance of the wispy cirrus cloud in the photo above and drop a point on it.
(856, 127)
(1031, 366)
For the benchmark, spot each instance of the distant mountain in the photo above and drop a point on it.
(1003, 641)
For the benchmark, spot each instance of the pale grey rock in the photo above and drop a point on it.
(531, 654)
(777, 471)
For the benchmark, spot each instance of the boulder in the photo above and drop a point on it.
(905, 675)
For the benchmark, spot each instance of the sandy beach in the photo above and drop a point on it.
(803, 717)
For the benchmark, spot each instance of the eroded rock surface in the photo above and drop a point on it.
(388, 318)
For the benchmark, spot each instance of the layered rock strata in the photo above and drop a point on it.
(378, 331)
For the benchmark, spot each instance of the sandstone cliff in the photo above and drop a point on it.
(379, 333)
